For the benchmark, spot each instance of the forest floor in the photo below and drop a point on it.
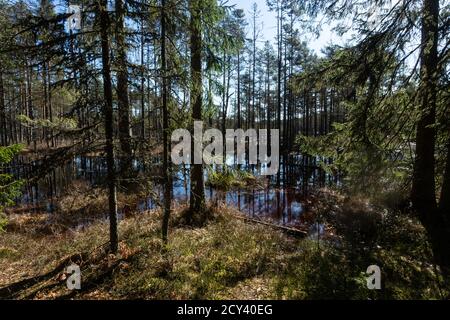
(228, 258)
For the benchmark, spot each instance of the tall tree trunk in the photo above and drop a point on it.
(122, 89)
(224, 94)
(50, 104)
(3, 135)
(45, 101)
(280, 57)
(108, 118)
(166, 142)
(444, 201)
(248, 118)
(423, 189)
(253, 66)
(423, 193)
(197, 196)
(268, 105)
(29, 102)
(238, 97)
(142, 83)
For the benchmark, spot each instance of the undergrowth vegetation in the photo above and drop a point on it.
(228, 178)
(9, 187)
(230, 258)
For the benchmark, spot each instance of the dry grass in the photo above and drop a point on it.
(210, 262)
(230, 259)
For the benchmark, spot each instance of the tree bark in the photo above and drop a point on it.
(142, 83)
(3, 134)
(238, 97)
(280, 63)
(423, 189)
(268, 103)
(122, 90)
(444, 200)
(197, 196)
(166, 128)
(253, 66)
(423, 192)
(224, 92)
(108, 118)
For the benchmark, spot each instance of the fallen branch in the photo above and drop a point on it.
(94, 281)
(289, 230)
(12, 290)
(47, 287)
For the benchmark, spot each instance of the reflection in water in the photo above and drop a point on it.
(280, 201)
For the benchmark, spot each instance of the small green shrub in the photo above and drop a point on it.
(320, 273)
(9, 188)
(228, 178)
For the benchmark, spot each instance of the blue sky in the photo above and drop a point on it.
(269, 29)
(267, 23)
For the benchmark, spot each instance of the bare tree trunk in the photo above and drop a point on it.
(197, 196)
(166, 142)
(238, 90)
(50, 104)
(224, 94)
(122, 90)
(423, 190)
(108, 118)
(423, 193)
(3, 134)
(29, 101)
(253, 65)
(444, 201)
(268, 104)
(224, 75)
(142, 83)
(280, 57)
(45, 102)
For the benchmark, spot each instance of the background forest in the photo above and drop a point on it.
(90, 92)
